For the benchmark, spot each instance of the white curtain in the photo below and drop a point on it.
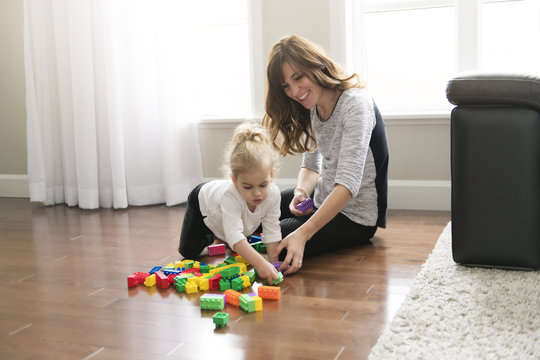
(110, 120)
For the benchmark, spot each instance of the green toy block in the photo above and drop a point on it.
(205, 269)
(280, 278)
(224, 284)
(220, 319)
(212, 301)
(189, 264)
(229, 273)
(252, 276)
(237, 284)
(247, 303)
(180, 284)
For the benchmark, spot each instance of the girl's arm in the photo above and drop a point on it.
(266, 270)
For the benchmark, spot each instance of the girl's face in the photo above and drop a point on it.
(253, 186)
(299, 87)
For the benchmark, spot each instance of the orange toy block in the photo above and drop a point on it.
(269, 292)
(232, 297)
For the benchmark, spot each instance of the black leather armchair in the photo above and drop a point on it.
(495, 161)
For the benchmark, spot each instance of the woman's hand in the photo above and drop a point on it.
(297, 199)
(294, 243)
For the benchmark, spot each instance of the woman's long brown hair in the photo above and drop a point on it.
(287, 121)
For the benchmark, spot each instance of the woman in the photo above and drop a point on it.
(313, 108)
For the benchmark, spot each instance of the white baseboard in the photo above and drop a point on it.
(419, 194)
(404, 194)
(14, 186)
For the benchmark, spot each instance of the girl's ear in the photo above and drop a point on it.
(233, 179)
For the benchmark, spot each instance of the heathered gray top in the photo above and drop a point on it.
(343, 155)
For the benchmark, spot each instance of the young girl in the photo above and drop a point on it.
(232, 209)
(313, 108)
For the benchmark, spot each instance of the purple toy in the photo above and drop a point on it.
(305, 205)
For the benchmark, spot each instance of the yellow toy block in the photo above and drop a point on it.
(178, 264)
(258, 303)
(193, 280)
(150, 281)
(191, 288)
(240, 259)
(170, 265)
(203, 284)
(245, 280)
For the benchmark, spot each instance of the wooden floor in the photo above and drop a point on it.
(64, 293)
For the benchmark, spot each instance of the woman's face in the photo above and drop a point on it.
(300, 87)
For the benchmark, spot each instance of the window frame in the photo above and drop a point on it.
(348, 44)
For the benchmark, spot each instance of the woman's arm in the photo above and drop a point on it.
(307, 180)
(296, 241)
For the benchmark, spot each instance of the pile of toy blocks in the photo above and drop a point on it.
(230, 277)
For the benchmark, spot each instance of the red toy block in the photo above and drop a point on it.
(190, 271)
(171, 278)
(141, 276)
(213, 282)
(269, 292)
(218, 249)
(232, 297)
(162, 280)
(132, 281)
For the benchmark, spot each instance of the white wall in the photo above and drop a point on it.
(419, 167)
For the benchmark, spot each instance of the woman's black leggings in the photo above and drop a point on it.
(340, 232)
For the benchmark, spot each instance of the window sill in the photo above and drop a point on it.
(432, 118)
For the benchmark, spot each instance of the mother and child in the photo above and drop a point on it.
(313, 108)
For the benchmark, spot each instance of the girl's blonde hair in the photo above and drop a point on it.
(287, 121)
(250, 149)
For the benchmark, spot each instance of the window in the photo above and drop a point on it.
(410, 49)
(221, 49)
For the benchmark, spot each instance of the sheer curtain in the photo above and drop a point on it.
(110, 120)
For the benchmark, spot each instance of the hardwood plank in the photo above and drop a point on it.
(64, 292)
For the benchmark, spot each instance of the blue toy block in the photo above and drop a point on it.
(155, 269)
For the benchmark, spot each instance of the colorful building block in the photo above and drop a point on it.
(247, 303)
(212, 301)
(154, 269)
(305, 205)
(269, 292)
(162, 280)
(214, 250)
(213, 282)
(280, 278)
(132, 281)
(220, 319)
(150, 281)
(224, 284)
(237, 284)
(232, 297)
(258, 303)
(191, 288)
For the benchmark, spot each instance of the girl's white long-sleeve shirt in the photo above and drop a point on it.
(229, 218)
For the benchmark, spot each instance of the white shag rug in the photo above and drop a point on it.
(457, 312)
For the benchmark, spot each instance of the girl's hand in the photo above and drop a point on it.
(294, 243)
(267, 272)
